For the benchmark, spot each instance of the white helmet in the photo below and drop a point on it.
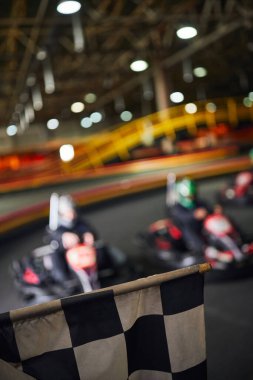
(62, 211)
(66, 204)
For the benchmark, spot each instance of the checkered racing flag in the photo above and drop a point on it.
(148, 329)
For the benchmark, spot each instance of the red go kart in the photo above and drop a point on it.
(224, 247)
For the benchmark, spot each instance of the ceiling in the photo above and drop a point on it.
(115, 33)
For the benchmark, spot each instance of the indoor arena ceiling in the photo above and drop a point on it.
(35, 40)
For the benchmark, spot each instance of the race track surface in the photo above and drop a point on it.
(228, 302)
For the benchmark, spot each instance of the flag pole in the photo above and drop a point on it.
(205, 267)
(158, 279)
(127, 287)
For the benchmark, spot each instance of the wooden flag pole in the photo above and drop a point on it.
(157, 279)
(127, 287)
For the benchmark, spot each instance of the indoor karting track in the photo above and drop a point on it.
(228, 303)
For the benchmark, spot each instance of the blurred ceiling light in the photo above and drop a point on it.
(119, 104)
(22, 122)
(50, 88)
(96, 117)
(41, 55)
(29, 111)
(200, 72)
(176, 97)
(187, 70)
(77, 107)
(11, 130)
(68, 7)
(53, 124)
(186, 32)
(126, 116)
(148, 93)
(190, 108)
(90, 98)
(28, 115)
(37, 98)
(31, 80)
(211, 107)
(67, 152)
(49, 82)
(139, 65)
(77, 33)
(86, 122)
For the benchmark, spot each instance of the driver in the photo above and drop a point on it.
(189, 213)
(243, 183)
(68, 231)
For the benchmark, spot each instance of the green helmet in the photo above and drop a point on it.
(251, 155)
(186, 192)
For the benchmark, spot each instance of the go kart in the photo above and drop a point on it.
(239, 192)
(163, 246)
(224, 247)
(87, 268)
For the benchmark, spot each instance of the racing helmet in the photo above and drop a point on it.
(244, 179)
(67, 212)
(65, 203)
(251, 155)
(186, 192)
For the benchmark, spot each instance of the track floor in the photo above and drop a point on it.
(228, 303)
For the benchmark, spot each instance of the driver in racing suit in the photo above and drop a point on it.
(189, 212)
(71, 230)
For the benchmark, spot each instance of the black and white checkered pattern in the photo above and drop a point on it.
(151, 334)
